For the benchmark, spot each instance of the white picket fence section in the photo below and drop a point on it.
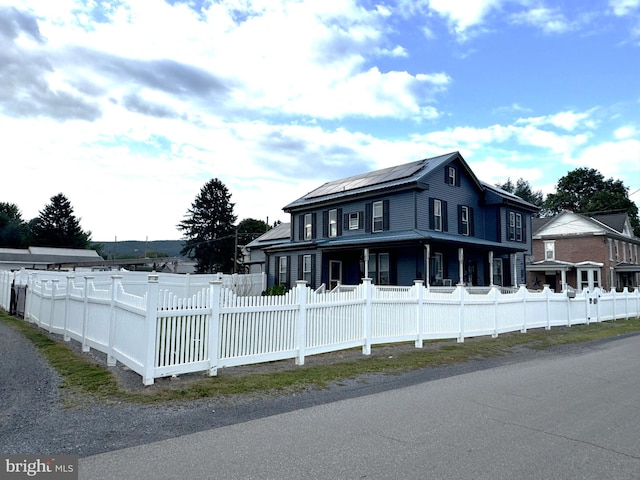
(160, 333)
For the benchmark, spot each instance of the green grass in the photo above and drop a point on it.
(82, 376)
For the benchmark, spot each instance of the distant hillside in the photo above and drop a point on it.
(135, 248)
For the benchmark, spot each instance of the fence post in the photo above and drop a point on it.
(523, 292)
(301, 293)
(496, 296)
(28, 300)
(215, 288)
(52, 309)
(547, 297)
(67, 306)
(418, 285)
(85, 313)
(116, 281)
(587, 308)
(366, 329)
(153, 290)
(461, 291)
(43, 289)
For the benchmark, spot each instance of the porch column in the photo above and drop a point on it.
(427, 264)
(491, 268)
(461, 265)
(366, 263)
(563, 275)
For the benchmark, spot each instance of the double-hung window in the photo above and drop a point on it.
(306, 269)
(333, 223)
(515, 226)
(354, 221)
(308, 226)
(377, 217)
(550, 250)
(464, 220)
(451, 176)
(437, 215)
(282, 271)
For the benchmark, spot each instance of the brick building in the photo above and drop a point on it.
(583, 252)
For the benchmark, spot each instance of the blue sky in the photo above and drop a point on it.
(129, 108)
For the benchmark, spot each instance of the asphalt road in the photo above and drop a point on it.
(570, 416)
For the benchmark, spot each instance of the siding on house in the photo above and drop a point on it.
(434, 206)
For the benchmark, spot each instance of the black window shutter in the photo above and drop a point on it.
(313, 270)
(361, 220)
(288, 277)
(367, 218)
(457, 178)
(432, 221)
(345, 221)
(313, 224)
(338, 224)
(446, 175)
(460, 225)
(385, 215)
(325, 223)
(445, 217)
(472, 229)
(300, 227)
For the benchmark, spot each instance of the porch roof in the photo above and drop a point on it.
(627, 268)
(413, 236)
(550, 265)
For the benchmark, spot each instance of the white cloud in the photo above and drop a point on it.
(617, 159)
(624, 7)
(462, 15)
(568, 121)
(546, 19)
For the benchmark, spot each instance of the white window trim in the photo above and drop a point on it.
(552, 250)
(333, 223)
(437, 215)
(354, 221)
(308, 226)
(465, 220)
(282, 270)
(306, 268)
(377, 218)
(452, 176)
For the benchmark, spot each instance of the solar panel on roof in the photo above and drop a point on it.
(367, 179)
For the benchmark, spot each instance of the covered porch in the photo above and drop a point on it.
(390, 260)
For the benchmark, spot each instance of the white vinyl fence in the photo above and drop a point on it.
(158, 333)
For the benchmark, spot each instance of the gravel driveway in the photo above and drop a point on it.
(33, 419)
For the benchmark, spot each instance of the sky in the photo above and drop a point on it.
(129, 107)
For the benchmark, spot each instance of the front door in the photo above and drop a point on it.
(335, 273)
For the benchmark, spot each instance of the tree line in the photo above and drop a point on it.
(55, 226)
(213, 239)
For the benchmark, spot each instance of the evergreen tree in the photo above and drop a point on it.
(585, 190)
(14, 231)
(57, 226)
(208, 229)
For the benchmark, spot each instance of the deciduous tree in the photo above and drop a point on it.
(585, 190)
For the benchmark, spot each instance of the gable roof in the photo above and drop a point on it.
(568, 223)
(278, 234)
(408, 175)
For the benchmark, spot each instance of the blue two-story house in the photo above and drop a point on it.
(431, 220)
